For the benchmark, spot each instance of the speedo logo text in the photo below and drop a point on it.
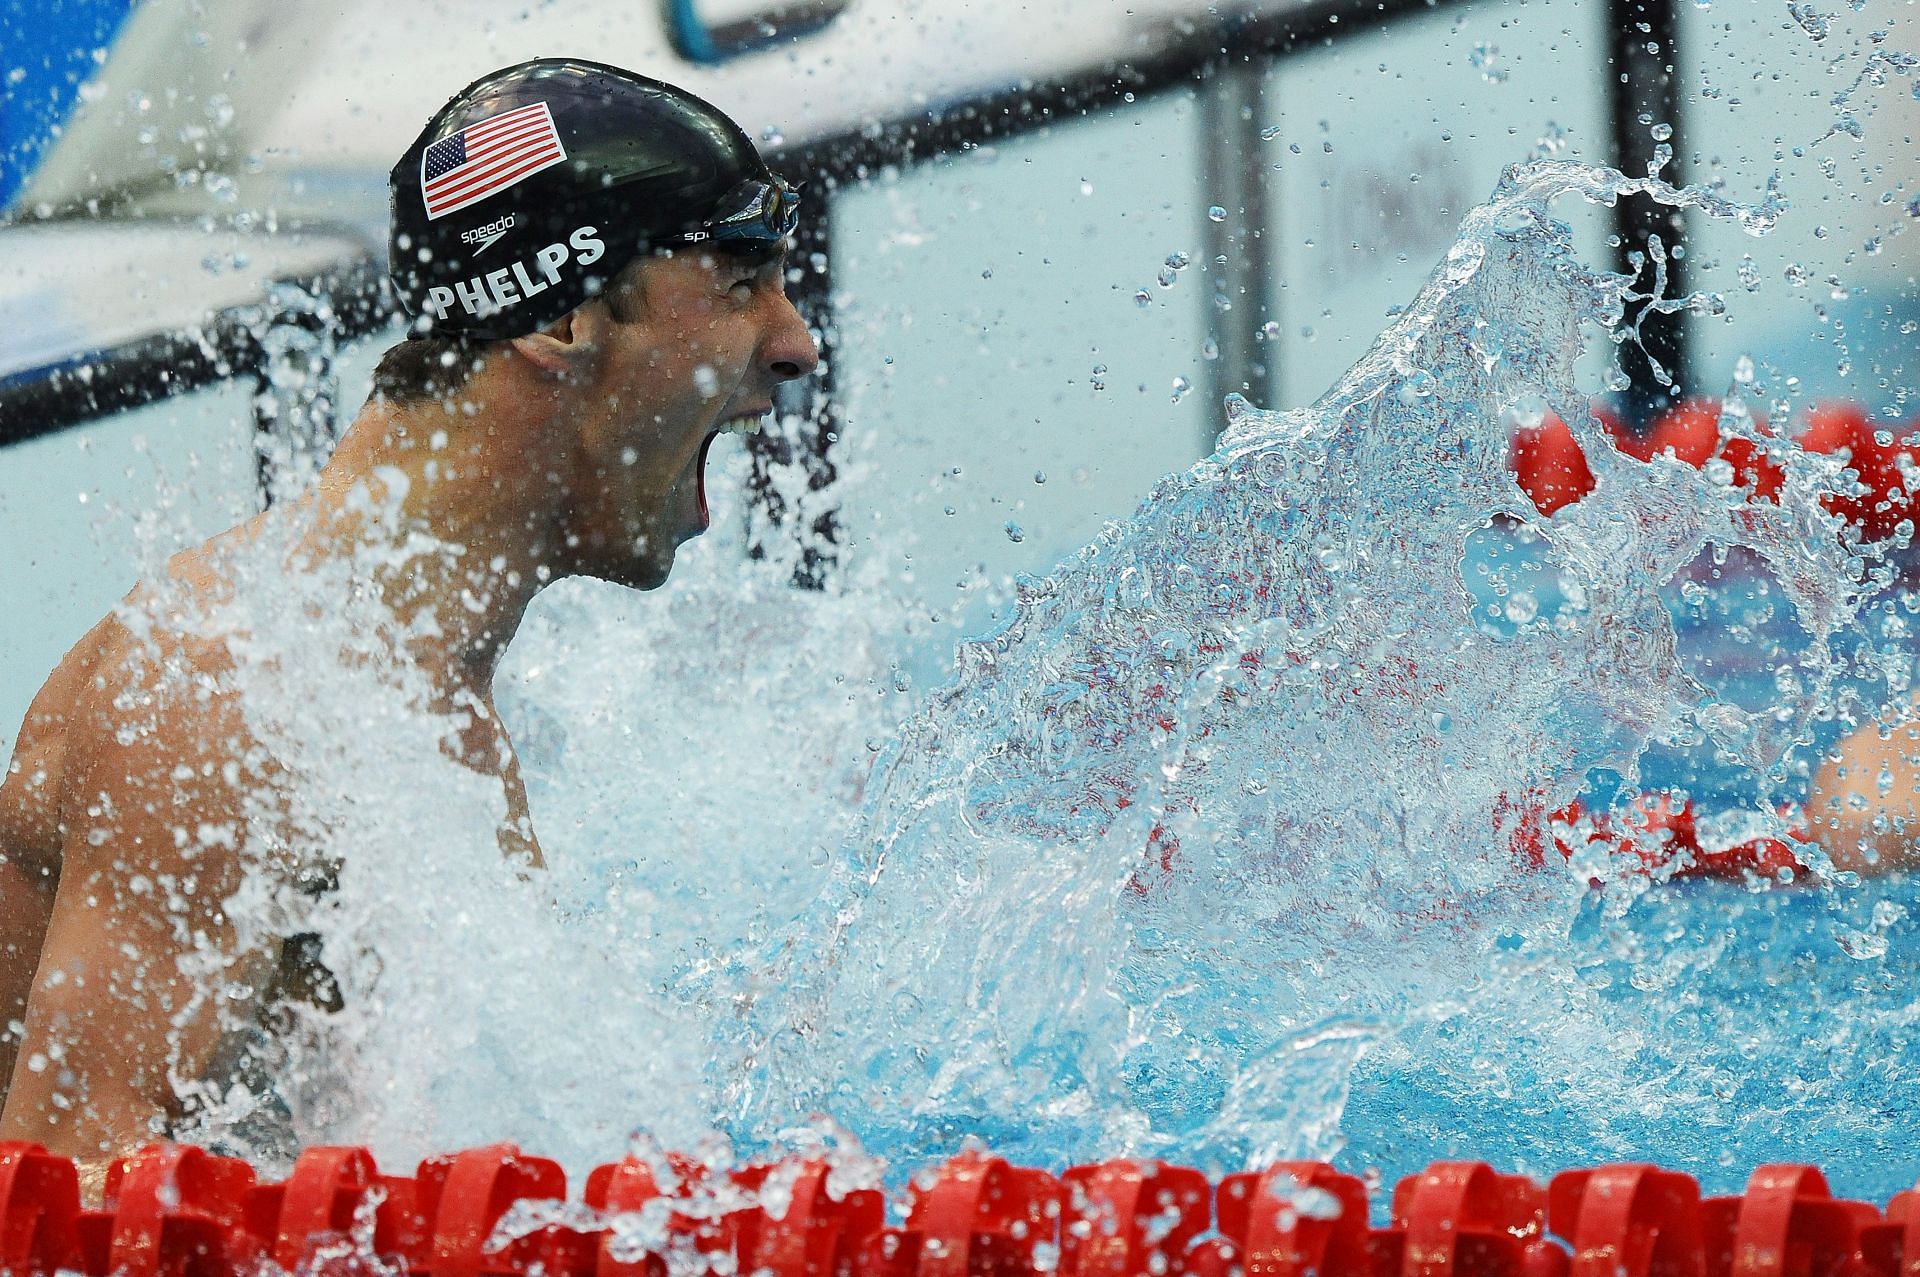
(489, 235)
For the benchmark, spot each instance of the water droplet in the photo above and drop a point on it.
(1662, 132)
(1270, 330)
(1743, 370)
(1811, 20)
(1216, 214)
(1086, 188)
(1039, 476)
(1180, 388)
(1269, 133)
(1210, 349)
(706, 381)
(772, 135)
(1143, 298)
(1485, 59)
(1550, 143)
(1015, 533)
(1797, 275)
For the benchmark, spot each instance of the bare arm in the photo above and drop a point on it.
(1865, 805)
(133, 959)
(30, 837)
(26, 906)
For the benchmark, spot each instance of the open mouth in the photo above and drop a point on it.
(744, 423)
(700, 480)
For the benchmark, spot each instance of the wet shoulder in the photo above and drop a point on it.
(139, 691)
(30, 788)
(151, 724)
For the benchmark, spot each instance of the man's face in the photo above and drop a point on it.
(701, 348)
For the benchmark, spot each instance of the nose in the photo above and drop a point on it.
(789, 352)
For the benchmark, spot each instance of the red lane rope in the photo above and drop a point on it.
(176, 1211)
(1553, 471)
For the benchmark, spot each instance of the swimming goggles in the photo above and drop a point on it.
(760, 209)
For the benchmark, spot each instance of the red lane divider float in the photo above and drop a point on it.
(1661, 834)
(1554, 473)
(173, 1211)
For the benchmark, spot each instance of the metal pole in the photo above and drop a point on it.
(1644, 93)
(295, 422)
(1236, 237)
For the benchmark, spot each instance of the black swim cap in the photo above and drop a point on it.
(536, 184)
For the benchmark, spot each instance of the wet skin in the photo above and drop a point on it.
(1865, 804)
(580, 454)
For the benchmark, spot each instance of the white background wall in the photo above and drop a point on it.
(1763, 100)
(1379, 144)
(980, 294)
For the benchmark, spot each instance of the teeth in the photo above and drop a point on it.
(745, 425)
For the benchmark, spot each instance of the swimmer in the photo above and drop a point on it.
(595, 267)
(1865, 804)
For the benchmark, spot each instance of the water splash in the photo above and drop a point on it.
(1226, 843)
(1248, 762)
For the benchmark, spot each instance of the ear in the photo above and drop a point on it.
(566, 347)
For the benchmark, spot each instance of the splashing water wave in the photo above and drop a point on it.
(1234, 795)
(1218, 846)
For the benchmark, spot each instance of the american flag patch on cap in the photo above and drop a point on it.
(485, 158)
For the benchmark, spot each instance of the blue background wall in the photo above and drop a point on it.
(47, 50)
